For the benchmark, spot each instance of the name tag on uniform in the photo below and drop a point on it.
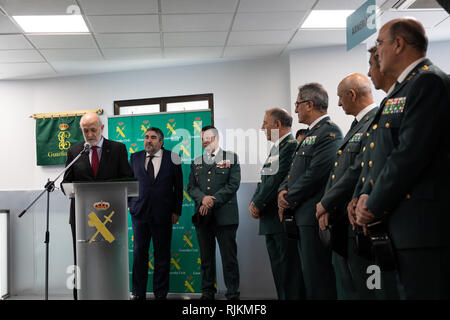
(394, 105)
(356, 137)
(309, 141)
(224, 164)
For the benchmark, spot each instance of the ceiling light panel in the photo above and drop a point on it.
(326, 19)
(52, 24)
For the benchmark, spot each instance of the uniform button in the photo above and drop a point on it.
(408, 196)
(372, 145)
(364, 148)
(387, 125)
(372, 182)
(333, 177)
(209, 172)
(370, 163)
(208, 188)
(336, 164)
(209, 180)
(292, 164)
(296, 152)
(339, 152)
(362, 164)
(367, 134)
(303, 153)
(375, 126)
(289, 176)
(363, 179)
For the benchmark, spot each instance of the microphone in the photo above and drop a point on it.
(86, 148)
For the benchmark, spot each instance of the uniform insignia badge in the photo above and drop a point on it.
(224, 164)
(309, 141)
(356, 137)
(425, 68)
(394, 106)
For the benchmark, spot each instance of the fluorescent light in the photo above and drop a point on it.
(69, 23)
(326, 19)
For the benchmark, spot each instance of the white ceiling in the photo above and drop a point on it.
(138, 34)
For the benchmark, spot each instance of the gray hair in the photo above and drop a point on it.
(316, 93)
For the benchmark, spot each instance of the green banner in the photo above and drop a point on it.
(182, 136)
(54, 136)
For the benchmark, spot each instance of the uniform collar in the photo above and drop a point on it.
(408, 69)
(317, 121)
(365, 111)
(277, 143)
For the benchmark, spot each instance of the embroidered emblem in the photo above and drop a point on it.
(394, 105)
(356, 137)
(309, 141)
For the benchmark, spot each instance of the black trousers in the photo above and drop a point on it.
(144, 232)
(226, 238)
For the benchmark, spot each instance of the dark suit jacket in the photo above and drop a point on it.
(220, 179)
(408, 180)
(345, 173)
(310, 169)
(159, 199)
(113, 165)
(273, 172)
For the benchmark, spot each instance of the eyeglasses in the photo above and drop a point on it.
(297, 103)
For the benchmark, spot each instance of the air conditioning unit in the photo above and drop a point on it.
(409, 5)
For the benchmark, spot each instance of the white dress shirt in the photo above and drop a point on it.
(156, 161)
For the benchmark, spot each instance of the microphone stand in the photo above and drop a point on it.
(49, 187)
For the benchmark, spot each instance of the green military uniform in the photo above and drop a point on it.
(305, 184)
(350, 268)
(407, 178)
(220, 178)
(283, 253)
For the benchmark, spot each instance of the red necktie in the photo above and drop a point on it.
(94, 160)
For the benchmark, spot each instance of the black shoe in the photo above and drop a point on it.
(207, 297)
(136, 298)
(160, 298)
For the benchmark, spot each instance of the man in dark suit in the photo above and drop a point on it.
(154, 211)
(304, 185)
(107, 160)
(283, 252)
(213, 182)
(407, 184)
(355, 98)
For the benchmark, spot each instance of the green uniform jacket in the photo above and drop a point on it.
(347, 167)
(220, 179)
(310, 169)
(272, 174)
(408, 160)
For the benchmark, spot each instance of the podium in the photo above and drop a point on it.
(101, 222)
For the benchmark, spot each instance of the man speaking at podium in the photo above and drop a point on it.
(106, 160)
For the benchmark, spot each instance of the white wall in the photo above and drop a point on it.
(242, 91)
(327, 66)
(330, 65)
